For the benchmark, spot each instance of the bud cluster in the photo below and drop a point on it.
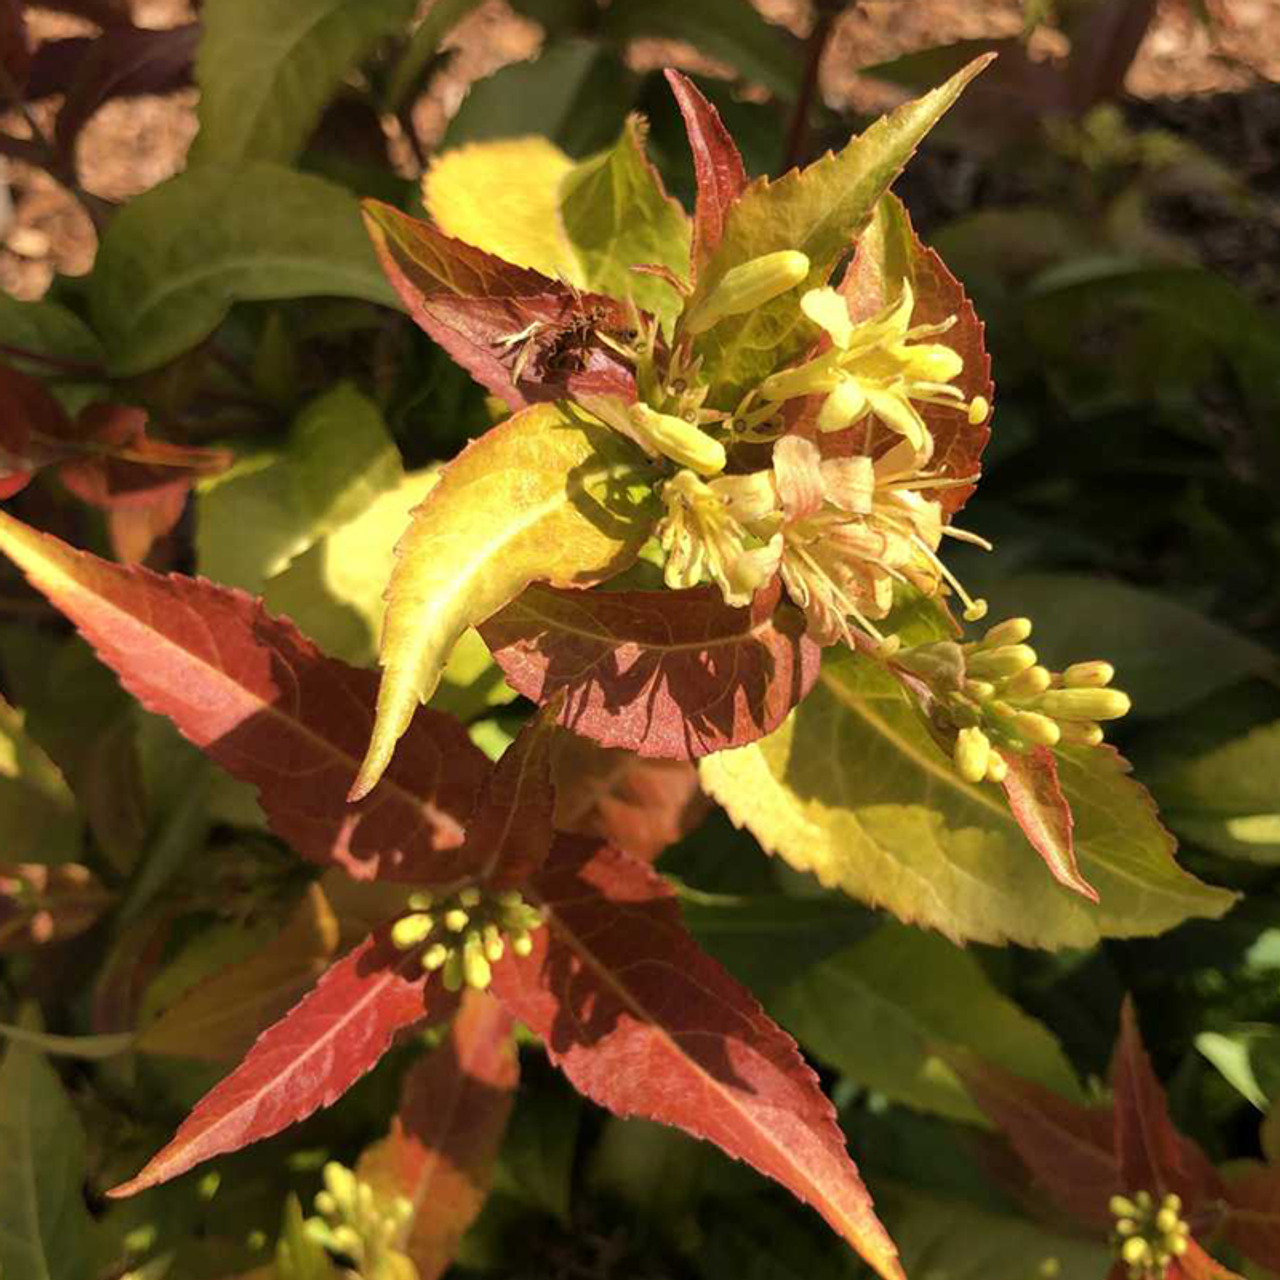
(996, 696)
(465, 933)
(1148, 1236)
(355, 1225)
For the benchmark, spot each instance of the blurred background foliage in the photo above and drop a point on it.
(1109, 194)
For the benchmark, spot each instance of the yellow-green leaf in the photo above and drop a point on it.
(881, 1009)
(543, 497)
(38, 814)
(853, 789)
(819, 211)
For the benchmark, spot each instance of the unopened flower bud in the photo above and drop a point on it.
(997, 768)
(434, 957)
(1122, 1207)
(1010, 631)
(747, 286)
(1125, 1226)
(494, 947)
(346, 1239)
(1135, 1250)
(409, 931)
(1028, 684)
(475, 965)
(1166, 1221)
(979, 410)
(980, 690)
(1088, 675)
(972, 754)
(1178, 1245)
(1001, 663)
(1172, 1201)
(677, 439)
(455, 920)
(326, 1204)
(522, 942)
(1036, 729)
(423, 900)
(453, 973)
(470, 896)
(1084, 704)
(1080, 733)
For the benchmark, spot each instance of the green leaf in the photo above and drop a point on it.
(38, 814)
(267, 69)
(256, 518)
(45, 1229)
(175, 259)
(881, 1010)
(1227, 798)
(818, 211)
(48, 329)
(590, 223)
(1166, 654)
(1249, 1059)
(954, 1240)
(542, 497)
(853, 789)
(89, 1048)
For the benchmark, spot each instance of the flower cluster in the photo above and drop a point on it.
(1148, 1236)
(353, 1224)
(466, 932)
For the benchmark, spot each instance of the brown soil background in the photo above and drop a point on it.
(1185, 72)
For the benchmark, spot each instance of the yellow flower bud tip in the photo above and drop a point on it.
(494, 947)
(522, 943)
(1135, 1250)
(1125, 1226)
(1143, 1200)
(979, 410)
(470, 897)
(434, 957)
(347, 1240)
(423, 900)
(1166, 1221)
(326, 1204)
(453, 973)
(1010, 631)
(747, 286)
(1036, 729)
(678, 440)
(509, 898)
(1084, 704)
(1029, 684)
(1002, 662)
(364, 1199)
(340, 1182)
(1122, 1207)
(1178, 1245)
(997, 768)
(409, 931)
(1080, 733)
(980, 690)
(1088, 675)
(475, 967)
(975, 611)
(972, 754)
(456, 919)
(1172, 1201)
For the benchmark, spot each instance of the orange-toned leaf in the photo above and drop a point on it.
(674, 675)
(256, 695)
(1252, 1221)
(645, 1023)
(445, 1137)
(1036, 801)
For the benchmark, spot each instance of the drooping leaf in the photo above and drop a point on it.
(903, 830)
(1225, 798)
(818, 211)
(543, 496)
(37, 812)
(670, 675)
(267, 69)
(1248, 1056)
(717, 166)
(1151, 1152)
(218, 1020)
(257, 697)
(901, 995)
(645, 1024)
(175, 259)
(639, 806)
(445, 1137)
(1041, 811)
(45, 1229)
(307, 1060)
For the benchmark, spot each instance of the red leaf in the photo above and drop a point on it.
(306, 1061)
(32, 429)
(510, 834)
(645, 1023)
(1068, 1149)
(675, 675)
(1153, 1155)
(1041, 810)
(717, 167)
(1195, 1264)
(444, 1140)
(135, 530)
(257, 695)
(1252, 1222)
(15, 47)
(636, 805)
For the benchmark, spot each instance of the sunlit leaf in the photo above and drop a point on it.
(175, 258)
(671, 675)
(45, 1229)
(445, 1136)
(645, 1024)
(257, 697)
(901, 995)
(901, 829)
(307, 1060)
(268, 68)
(543, 496)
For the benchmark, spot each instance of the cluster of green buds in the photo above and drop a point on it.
(1148, 1236)
(465, 933)
(996, 694)
(354, 1224)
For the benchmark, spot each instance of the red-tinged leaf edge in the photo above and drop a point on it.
(672, 675)
(1069, 1150)
(306, 1061)
(1041, 810)
(645, 1023)
(717, 166)
(445, 1136)
(259, 698)
(1196, 1264)
(33, 430)
(510, 835)
(1153, 1155)
(1252, 1220)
